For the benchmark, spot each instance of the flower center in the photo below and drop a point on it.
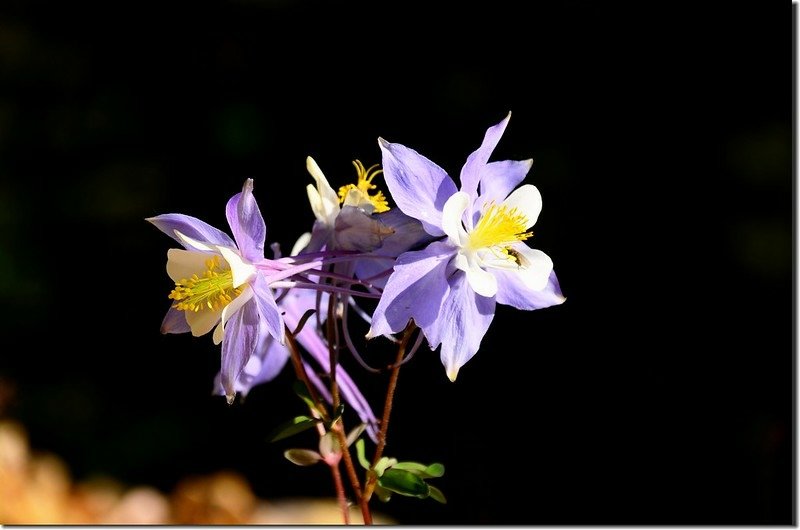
(498, 228)
(214, 290)
(364, 186)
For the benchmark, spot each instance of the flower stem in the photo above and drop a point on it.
(337, 430)
(337, 481)
(332, 334)
(363, 503)
(372, 479)
(300, 371)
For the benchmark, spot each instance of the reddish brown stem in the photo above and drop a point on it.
(337, 481)
(372, 479)
(352, 475)
(300, 371)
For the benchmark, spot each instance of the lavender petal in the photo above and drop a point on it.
(267, 308)
(464, 319)
(241, 339)
(418, 186)
(246, 223)
(415, 290)
(192, 227)
(175, 322)
(472, 172)
(512, 291)
(263, 366)
(499, 179)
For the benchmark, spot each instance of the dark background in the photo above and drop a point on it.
(660, 392)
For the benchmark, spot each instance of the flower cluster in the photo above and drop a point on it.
(431, 255)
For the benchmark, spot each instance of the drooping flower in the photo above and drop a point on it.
(408, 234)
(217, 284)
(350, 226)
(450, 288)
(364, 222)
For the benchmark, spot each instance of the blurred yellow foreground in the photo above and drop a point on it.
(37, 489)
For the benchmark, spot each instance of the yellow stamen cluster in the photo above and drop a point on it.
(364, 185)
(498, 228)
(214, 290)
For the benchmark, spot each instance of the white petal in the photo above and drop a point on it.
(231, 309)
(451, 218)
(315, 201)
(300, 244)
(461, 262)
(527, 200)
(181, 264)
(193, 242)
(492, 259)
(482, 282)
(242, 271)
(202, 321)
(328, 205)
(357, 198)
(535, 267)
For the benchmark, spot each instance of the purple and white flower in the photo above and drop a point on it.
(450, 288)
(218, 285)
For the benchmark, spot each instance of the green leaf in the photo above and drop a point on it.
(414, 467)
(434, 470)
(404, 483)
(302, 457)
(292, 427)
(301, 390)
(383, 464)
(437, 495)
(360, 453)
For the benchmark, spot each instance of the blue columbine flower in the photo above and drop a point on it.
(450, 288)
(218, 284)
